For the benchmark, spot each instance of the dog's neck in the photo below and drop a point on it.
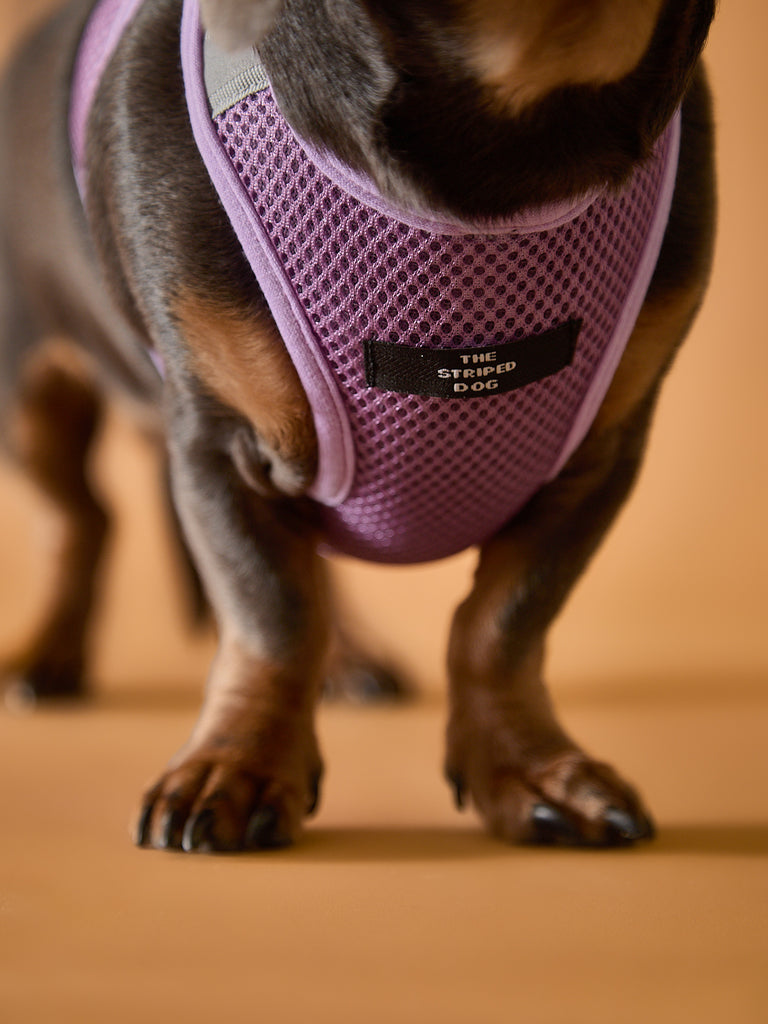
(389, 86)
(232, 76)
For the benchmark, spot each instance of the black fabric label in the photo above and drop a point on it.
(470, 372)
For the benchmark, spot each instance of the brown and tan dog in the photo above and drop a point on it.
(478, 108)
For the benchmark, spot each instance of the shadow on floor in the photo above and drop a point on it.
(160, 699)
(674, 691)
(189, 698)
(376, 844)
(392, 845)
(732, 840)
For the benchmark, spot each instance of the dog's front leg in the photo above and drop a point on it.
(506, 749)
(251, 769)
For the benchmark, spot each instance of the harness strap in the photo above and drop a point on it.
(103, 32)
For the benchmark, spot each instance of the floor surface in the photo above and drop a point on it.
(394, 907)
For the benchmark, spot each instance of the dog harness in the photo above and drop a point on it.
(451, 369)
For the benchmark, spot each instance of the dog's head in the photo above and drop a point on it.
(477, 108)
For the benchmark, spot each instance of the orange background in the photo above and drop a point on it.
(395, 908)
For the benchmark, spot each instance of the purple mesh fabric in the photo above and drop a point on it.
(433, 476)
(407, 478)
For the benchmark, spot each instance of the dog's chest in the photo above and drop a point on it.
(451, 372)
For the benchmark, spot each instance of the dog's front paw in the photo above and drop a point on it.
(562, 798)
(208, 805)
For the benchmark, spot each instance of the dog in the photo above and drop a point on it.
(516, 200)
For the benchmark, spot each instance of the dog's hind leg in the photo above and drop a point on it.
(360, 671)
(50, 424)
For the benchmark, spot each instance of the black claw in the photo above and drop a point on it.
(262, 832)
(198, 832)
(141, 836)
(458, 785)
(549, 825)
(314, 792)
(170, 829)
(623, 827)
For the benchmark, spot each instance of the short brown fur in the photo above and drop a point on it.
(525, 50)
(246, 367)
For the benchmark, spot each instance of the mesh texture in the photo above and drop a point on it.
(433, 475)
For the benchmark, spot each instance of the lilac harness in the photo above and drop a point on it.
(451, 370)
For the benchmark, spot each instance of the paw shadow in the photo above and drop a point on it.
(395, 845)
(713, 840)
(421, 844)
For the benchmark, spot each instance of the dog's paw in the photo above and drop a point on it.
(207, 806)
(563, 799)
(360, 680)
(24, 685)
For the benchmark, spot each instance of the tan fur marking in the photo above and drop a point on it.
(244, 687)
(52, 356)
(244, 363)
(57, 353)
(524, 50)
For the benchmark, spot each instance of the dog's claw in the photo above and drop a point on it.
(458, 785)
(649, 828)
(549, 825)
(171, 829)
(314, 792)
(141, 836)
(198, 832)
(262, 832)
(623, 827)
